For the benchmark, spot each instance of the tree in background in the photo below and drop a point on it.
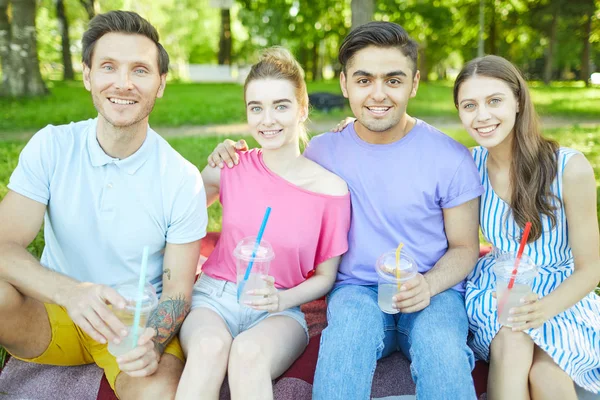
(225, 38)
(312, 29)
(63, 23)
(89, 7)
(362, 12)
(18, 50)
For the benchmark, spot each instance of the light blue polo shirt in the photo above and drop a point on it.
(102, 211)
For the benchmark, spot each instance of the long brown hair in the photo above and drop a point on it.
(278, 63)
(534, 164)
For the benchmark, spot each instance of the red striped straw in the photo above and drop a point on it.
(513, 275)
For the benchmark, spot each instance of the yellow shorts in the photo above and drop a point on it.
(72, 346)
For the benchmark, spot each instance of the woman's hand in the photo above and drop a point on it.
(532, 314)
(270, 301)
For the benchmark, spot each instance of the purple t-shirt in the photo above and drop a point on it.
(398, 191)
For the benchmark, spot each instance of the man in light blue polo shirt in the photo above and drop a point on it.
(104, 188)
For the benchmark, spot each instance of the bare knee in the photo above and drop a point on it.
(207, 346)
(509, 345)
(246, 352)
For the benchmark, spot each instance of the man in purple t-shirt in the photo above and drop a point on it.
(409, 183)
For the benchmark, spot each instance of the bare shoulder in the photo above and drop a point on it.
(325, 181)
(578, 170)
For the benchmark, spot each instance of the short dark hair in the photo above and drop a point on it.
(378, 34)
(121, 22)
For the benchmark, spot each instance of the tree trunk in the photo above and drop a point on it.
(89, 7)
(314, 54)
(4, 42)
(493, 31)
(423, 67)
(18, 46)
(362, 12)
(548, 63)
(225, 40)
(63, 26)
(585, 55)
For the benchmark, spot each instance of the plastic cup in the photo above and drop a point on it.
(260, 266)
(129, 290)
(526, 273)
(388, 281)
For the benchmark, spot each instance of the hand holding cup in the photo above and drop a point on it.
(270, 300)
(88, 306)
(143, 359)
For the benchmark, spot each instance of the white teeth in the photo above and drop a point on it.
(378, 109)
(486, 130)
(120, 101)
(270, 133)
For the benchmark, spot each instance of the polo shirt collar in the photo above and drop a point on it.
(130, 164)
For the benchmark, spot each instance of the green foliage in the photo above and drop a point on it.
(206, 104)
(3, 355)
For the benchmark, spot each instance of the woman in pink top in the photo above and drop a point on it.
(256, 341)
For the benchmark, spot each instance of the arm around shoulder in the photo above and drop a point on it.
(211, 177)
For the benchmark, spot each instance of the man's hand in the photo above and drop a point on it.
(87, 305)
(226, 153)
(143, 359)
(343, 123)
(414, 295)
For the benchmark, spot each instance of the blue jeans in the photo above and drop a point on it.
(359, 333)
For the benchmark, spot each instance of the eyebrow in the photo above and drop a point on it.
(253, 102)
(387, 75)
(491, 95)
(110, 59)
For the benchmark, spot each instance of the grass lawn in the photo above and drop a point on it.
(206, 104)
(196, 150)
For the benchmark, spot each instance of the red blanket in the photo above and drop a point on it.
(392, 377)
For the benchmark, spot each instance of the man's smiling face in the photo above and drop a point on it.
(378, 82)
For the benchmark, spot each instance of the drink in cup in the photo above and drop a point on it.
(129, 290)
(526, 273)
(260, 265)
(389, 279)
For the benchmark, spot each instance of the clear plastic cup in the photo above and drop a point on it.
(388, 280)
(129, 290)
(526, 273)
(260, 266)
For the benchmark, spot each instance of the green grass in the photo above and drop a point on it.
(206, 104)
(196, 150)
(2, 356)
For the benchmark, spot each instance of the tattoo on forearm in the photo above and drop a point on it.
(167, 319)
(167, 273)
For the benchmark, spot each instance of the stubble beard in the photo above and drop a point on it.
(379, 125)
(142, 115)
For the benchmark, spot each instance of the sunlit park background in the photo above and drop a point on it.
(556, 43)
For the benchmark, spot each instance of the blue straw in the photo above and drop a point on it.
(256, 246)
(140, 296)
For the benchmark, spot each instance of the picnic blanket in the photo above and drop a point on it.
(392, 380)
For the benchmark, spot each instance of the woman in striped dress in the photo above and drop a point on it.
(530, 178)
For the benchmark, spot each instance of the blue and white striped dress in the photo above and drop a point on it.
(571, 338)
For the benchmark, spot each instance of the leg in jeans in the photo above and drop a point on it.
(435, 340)
(350, 345)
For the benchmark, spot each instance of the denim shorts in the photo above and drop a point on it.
(220, 296)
